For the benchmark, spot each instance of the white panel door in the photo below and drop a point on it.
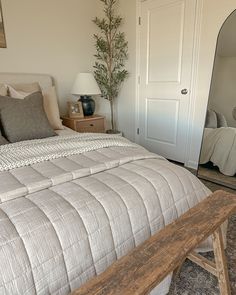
(166, 48)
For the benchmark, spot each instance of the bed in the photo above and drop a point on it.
(219, 147)
(70, 205)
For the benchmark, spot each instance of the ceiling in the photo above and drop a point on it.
(227, 38)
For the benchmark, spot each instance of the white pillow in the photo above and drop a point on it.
(211, 119)
(51, 108)
(49, 102)
(26, 87)
(17, 93)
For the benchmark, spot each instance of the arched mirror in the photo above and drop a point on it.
(218, 154)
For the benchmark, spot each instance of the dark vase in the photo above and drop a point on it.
(88, 105)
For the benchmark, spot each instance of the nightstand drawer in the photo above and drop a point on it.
(91, 126)
(95, 124)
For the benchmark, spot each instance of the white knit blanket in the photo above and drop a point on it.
(30, 152)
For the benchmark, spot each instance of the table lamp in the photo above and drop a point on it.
(85, 86)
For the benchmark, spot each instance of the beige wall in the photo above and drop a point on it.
(127, 98)
(222, 96)
(126, 101)
(49, 36)
(56, 37)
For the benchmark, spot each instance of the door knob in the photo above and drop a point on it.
(184, 91)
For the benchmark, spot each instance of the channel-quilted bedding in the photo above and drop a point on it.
(64, 220)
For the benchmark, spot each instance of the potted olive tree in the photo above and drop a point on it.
(111, 54)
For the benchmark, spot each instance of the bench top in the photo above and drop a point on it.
(148, 264)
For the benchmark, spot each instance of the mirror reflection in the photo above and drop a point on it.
(218, 154)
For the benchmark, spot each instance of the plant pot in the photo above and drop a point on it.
(115, 132)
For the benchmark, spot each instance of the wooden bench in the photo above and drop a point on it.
(148, 264)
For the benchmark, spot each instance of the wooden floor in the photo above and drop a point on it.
(214, 187)
(226, 183)
(217, 177)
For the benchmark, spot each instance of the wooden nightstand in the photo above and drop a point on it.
(93, 123)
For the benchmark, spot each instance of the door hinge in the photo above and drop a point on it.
(139, 20)
(138, 131)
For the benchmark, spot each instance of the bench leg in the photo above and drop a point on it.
(221, 263)
(178, 269)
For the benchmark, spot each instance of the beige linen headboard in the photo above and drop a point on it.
(45, 81)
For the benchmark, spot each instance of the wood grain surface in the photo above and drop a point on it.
(221, 264)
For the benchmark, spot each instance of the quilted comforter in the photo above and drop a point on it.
(64, 220)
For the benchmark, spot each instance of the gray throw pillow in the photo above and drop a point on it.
(211, 119)
(2, 139)
(24, 119)
(221, 121)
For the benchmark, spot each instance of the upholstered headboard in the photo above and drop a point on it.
(45, 81)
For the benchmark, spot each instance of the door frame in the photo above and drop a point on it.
(193, 83)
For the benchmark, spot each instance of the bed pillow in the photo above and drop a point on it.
(234, 113)
(2, 140)
(24, 88)
(211, 119)
(49, 101)
(221, 121)
(51, 108)
(24, 119)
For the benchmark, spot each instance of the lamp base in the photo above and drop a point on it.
(88, 105)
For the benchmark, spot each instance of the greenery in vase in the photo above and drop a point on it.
(111, 54)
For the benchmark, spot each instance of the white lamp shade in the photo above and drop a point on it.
(85, 84)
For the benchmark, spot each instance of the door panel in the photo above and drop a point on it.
(167, 31)
(159, 112)
(170, 55)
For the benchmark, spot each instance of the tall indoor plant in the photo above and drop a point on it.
(111, 54)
